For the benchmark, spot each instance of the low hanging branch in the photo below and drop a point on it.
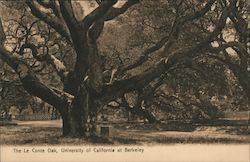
(168, 41)
(239, 70)
(139, 81)
(30, 82)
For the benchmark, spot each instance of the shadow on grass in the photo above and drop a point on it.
(127, 134)
(8, 123)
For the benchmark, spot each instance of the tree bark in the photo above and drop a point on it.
(73, 125)
(75, 118)
(79, 119)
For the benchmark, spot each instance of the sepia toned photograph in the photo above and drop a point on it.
(124, 76)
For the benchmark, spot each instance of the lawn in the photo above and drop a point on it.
(49, 133)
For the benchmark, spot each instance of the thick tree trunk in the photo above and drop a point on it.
(93, 118)
(74, 116)
(79, 119)
(74, 124)
(244, 82)
(66, 125)
(243, 77)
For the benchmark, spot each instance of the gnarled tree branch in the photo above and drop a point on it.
(168, 41)
(98, 13)
(50, 59)
(54, 22)
(139, 81)
(31, 83)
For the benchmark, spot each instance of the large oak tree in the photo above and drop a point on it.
(84, 87)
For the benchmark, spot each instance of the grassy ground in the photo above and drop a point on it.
(49, 132)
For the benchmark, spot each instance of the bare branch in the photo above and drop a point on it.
(30, 82)
(114, 12)
(68, 14)
(51, 5)
(54, 22)
(50, 59)
(98, 13)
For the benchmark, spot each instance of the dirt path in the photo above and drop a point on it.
(47, 123)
